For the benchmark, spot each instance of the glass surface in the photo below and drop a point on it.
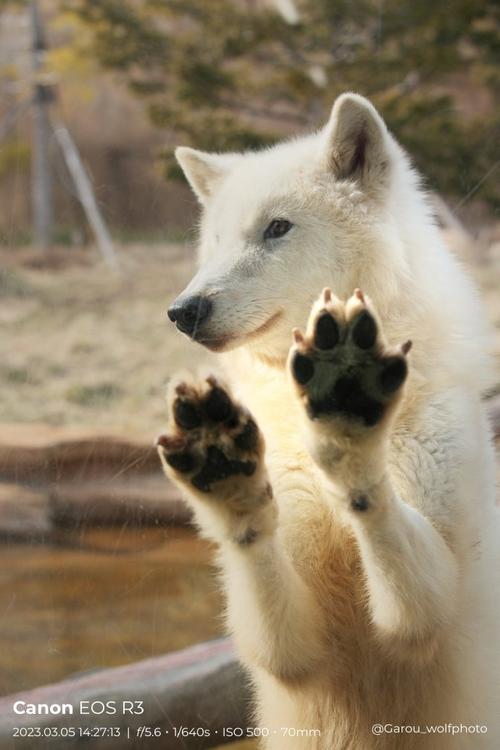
(99, 565)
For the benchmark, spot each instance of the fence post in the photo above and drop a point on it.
(42, 191)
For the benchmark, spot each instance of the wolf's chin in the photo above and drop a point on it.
(220, 345)
(226, 343)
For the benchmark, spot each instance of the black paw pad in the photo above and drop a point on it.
(218, 466)
(248, 437)
(247, 467)
(393, 374)
(327, 332)
(182, 462)
(302, 368)
(364, 332)
(218, 406)
(186, 414)
(353, 401)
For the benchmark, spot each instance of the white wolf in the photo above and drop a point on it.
(359, 547)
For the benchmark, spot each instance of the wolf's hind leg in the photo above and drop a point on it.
(351, 384)
(214, 451)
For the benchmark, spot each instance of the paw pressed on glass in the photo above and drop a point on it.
(211, 438)
(341, 365)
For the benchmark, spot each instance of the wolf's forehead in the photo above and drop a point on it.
(255, 182)
(259, 186)
(286, 181)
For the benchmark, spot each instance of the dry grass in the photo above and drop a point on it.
(82, 345)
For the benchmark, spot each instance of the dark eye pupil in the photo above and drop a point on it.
(277, 228)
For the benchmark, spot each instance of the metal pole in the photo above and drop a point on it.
(42, 200)
(86, 195)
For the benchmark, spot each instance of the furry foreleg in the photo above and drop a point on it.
(214, 451)
(351, 385)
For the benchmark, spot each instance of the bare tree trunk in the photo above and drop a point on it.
(43, 216)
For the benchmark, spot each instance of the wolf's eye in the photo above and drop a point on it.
(277, 228)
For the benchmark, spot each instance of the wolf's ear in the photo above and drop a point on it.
(204, 171)
(356, 141)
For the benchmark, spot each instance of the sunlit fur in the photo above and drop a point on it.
(344, 619)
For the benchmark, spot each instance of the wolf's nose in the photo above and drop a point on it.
(189, 314)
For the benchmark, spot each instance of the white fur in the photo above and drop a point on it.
(346, 620)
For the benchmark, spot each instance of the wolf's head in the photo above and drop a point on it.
(280, 224)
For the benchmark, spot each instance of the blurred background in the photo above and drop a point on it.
(99, 566)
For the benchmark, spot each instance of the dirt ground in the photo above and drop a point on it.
(84, 345)
(119, 596)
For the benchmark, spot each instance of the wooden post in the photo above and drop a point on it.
(42, 200)
(86, 195)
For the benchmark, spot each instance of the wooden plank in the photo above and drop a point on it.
(143, 500)
(40, 453)
(37, 514)
(24, 514)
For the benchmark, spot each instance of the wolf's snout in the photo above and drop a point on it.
(190, 313)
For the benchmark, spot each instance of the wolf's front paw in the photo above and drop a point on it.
(350, 383)
(214, 450)
(211, 440)
(342, 367)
